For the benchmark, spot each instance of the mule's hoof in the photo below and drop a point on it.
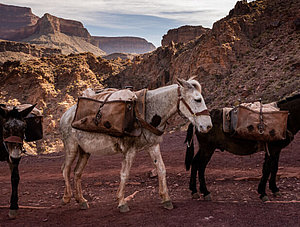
(265, 198)
(65, 201)
(168, 205)
(12, 214)
(84, 206)
(195, 195)
(277, 194)
(124, 208)
(207, 197)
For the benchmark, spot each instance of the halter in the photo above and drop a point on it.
(181, 99)
(158, 132)
(13, 139)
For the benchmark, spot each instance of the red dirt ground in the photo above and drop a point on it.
(232, 180)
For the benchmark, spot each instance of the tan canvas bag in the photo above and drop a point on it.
(258, 123)
(111, 111)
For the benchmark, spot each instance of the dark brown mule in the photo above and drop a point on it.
(12, 131)
(217, 139)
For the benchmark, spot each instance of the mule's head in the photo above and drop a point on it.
(192, 105)
(13, 130)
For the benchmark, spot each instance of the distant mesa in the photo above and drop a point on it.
(20, 24)
(132, 45)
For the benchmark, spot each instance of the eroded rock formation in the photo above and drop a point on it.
(183, 34)
(16, 51)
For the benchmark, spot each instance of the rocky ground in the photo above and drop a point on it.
(232, 180)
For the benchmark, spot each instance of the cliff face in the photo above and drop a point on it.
(247, 55)
(14, 18)
(133, 45)
(51, 24)
(68, 35)
(17, 23)
(183, 34)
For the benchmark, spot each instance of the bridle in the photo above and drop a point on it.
(181, 99)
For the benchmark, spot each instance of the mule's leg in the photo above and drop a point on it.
(81, 163)
(66, 169)
(126, 165)
(205, 156)
(275, 152)
(15, 178)
(263, 181)
(161, 172)
(193, 177)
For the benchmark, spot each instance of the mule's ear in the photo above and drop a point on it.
(183, 83)
(26, 111)
(3, 112)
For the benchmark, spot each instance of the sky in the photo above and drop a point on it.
(138, 18)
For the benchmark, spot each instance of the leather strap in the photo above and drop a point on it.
(140, 116)
(150, 127)
(99, 115)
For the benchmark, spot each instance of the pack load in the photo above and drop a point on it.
(256, 121)
(110, 111)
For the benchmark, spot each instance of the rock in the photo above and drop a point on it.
(6, 47)
(240, 8)
(183, 34)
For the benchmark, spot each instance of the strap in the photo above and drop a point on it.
(140, 116)
(150, 127)
(261, 126)
(99, 115)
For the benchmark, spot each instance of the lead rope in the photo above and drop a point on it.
(189, 144)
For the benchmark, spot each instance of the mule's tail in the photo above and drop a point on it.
(190, 146)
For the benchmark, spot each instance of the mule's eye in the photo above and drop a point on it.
(198, 100)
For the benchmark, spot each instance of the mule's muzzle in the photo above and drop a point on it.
(205, 129)
(13, 146)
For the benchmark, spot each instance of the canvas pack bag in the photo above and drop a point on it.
(255, 121)
(109, 111)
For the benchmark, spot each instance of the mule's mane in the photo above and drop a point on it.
(195, 83)
(289, 99)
